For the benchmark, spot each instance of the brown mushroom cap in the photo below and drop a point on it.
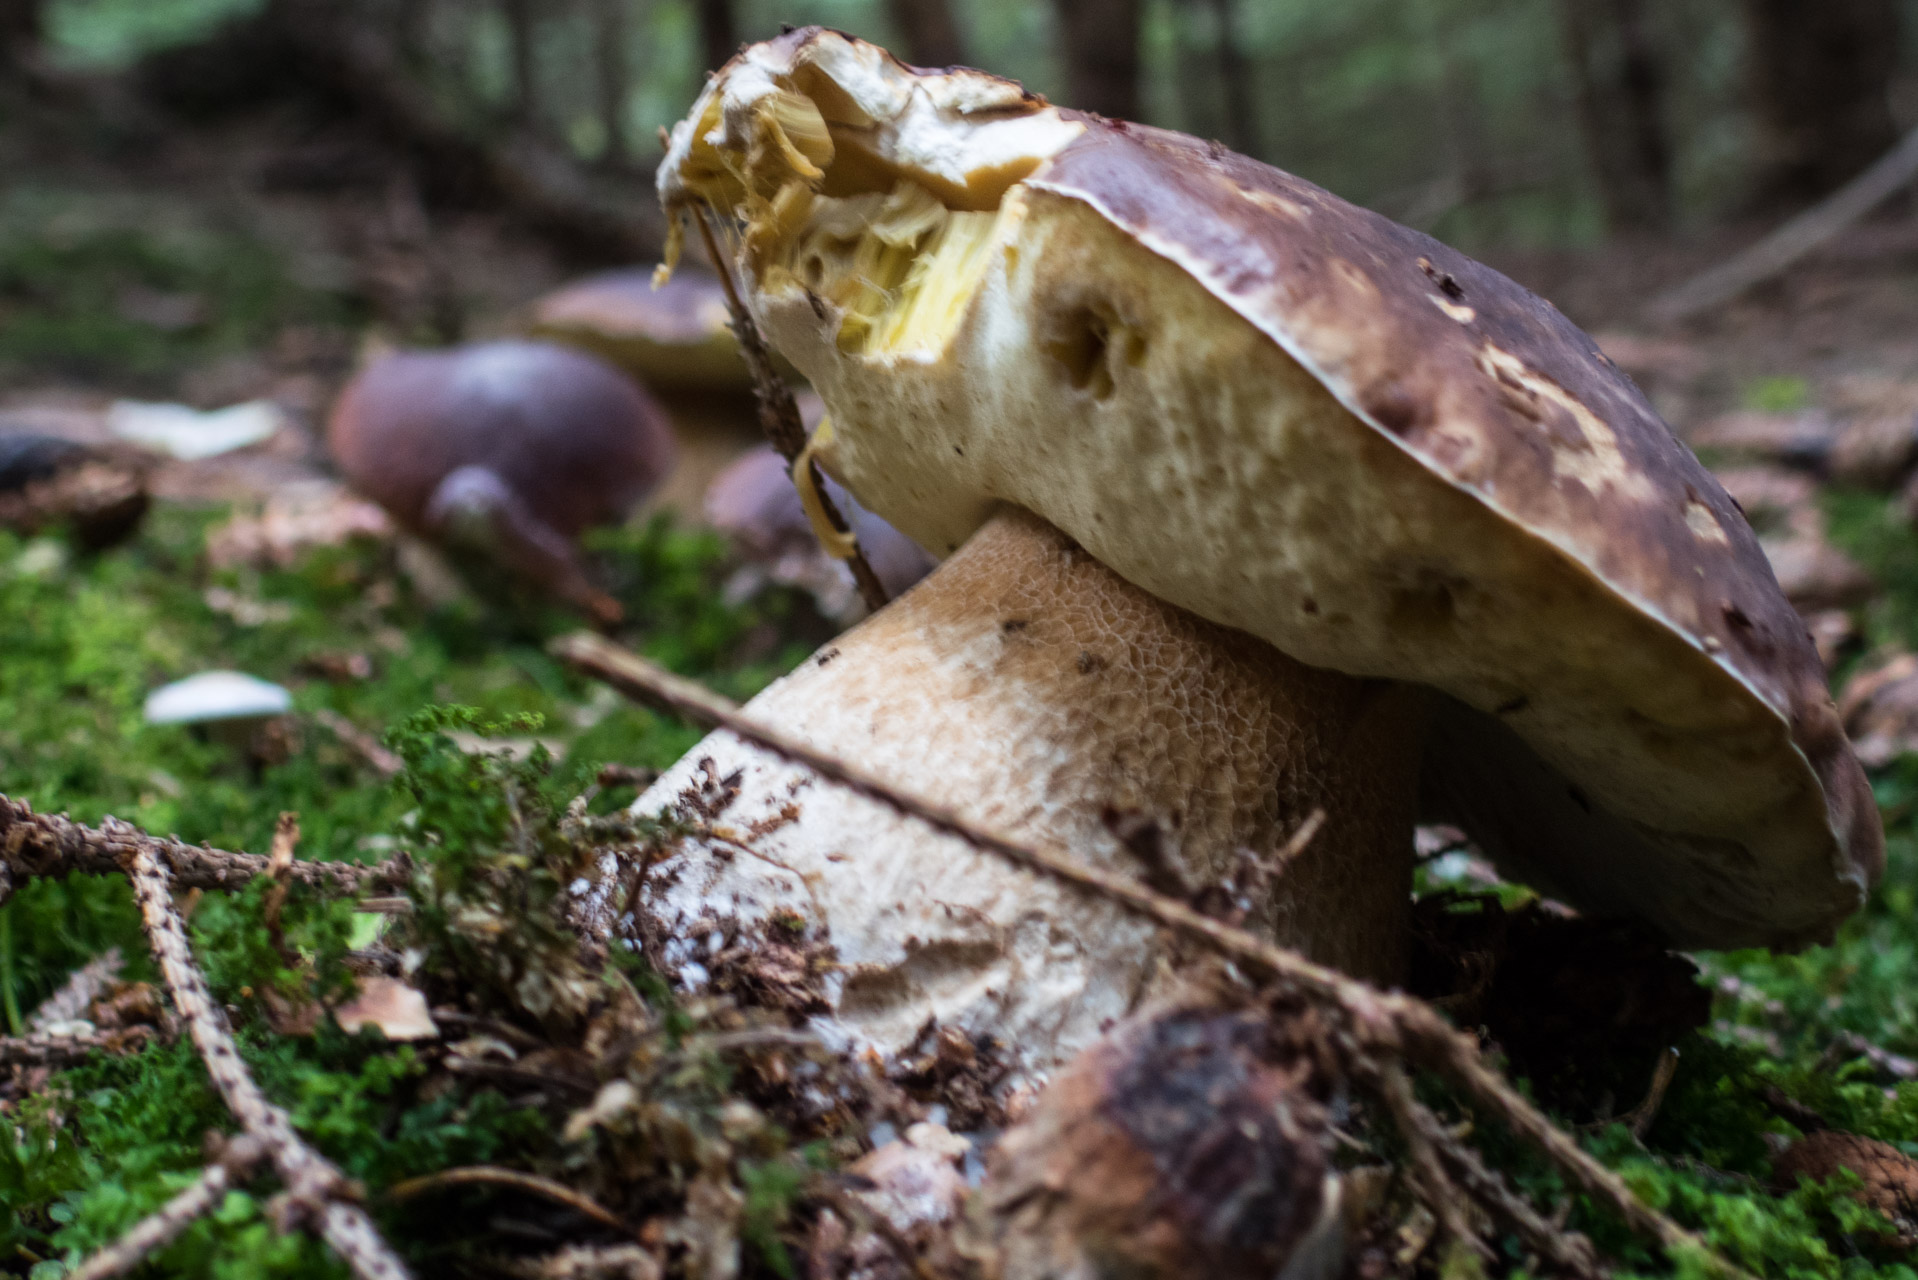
(1293, 416)
(675, 337)
(574, 440)
(754, 501)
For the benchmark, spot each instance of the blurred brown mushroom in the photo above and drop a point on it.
(99, 493)
(678, 341)
(753, 501)
(1890, 1177)
(1182, 1143)
(676, 337)
(513, 448)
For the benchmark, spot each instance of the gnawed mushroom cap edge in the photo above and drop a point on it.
(1489, 388)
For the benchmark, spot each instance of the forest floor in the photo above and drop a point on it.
(261, 259)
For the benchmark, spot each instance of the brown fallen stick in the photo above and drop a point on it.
(530, 1183)
(60, 1051)
(779, 416)
(163, 1226)
(1388, 1024)
(312, 1181)
(35, 845)
(77, 994)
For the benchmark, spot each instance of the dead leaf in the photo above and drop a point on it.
(399, 1011)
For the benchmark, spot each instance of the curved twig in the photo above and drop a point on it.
(312, 1181)
(531, 1183)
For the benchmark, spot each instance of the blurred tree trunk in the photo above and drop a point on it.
(1820, 75)
(1100, 42)
(614, 81)
(520, 36)
(20, 27)
(930, 33)
(1235, 81)
(718, 37)
(1619, 82)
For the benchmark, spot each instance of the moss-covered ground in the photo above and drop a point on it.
(84, 638)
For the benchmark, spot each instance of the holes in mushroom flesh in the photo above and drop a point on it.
(1427, 604)
(1091, 343)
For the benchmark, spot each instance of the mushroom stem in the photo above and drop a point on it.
(1031, 689)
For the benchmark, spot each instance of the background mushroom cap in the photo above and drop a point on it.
(754, 502)
(1291, 415)
(578, 442)
(674, 337)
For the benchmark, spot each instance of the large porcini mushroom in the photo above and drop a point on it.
(1486, 583)
(513, 447)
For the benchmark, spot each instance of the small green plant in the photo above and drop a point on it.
(1778, 393)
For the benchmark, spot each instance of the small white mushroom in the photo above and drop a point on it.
(214, 696)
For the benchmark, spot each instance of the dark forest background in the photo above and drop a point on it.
(1546, 122)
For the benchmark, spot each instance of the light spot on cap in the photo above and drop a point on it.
(1703, 521)
(1272, 202)
(1583, 447)
(1457, 310)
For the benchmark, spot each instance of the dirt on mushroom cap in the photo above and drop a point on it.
(1293, 416)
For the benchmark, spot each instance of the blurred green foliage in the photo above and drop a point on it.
(85, 295)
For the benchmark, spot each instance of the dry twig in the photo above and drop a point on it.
(779, 414)
(60, 1051)
(590, 1262)
(494, 1176)
(77, 994)
(313, 1185)
(1567, 1250)
(46, 845)
(1385, 1025)
(1792, 241)
(163, 1226)
(359, 742)
(1428, 1174)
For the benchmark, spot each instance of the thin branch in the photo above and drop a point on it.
(77, 994)
(54, 846)
(1639, 1118)
(779, 414)
(61, 1051)
(312, 1181)
(1794, 239)
(1566, 1250)
(587, 1262)
(164, 1225)
(1389, 1023)
(1428, 1174)
(533, 1184)
(359, 742)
